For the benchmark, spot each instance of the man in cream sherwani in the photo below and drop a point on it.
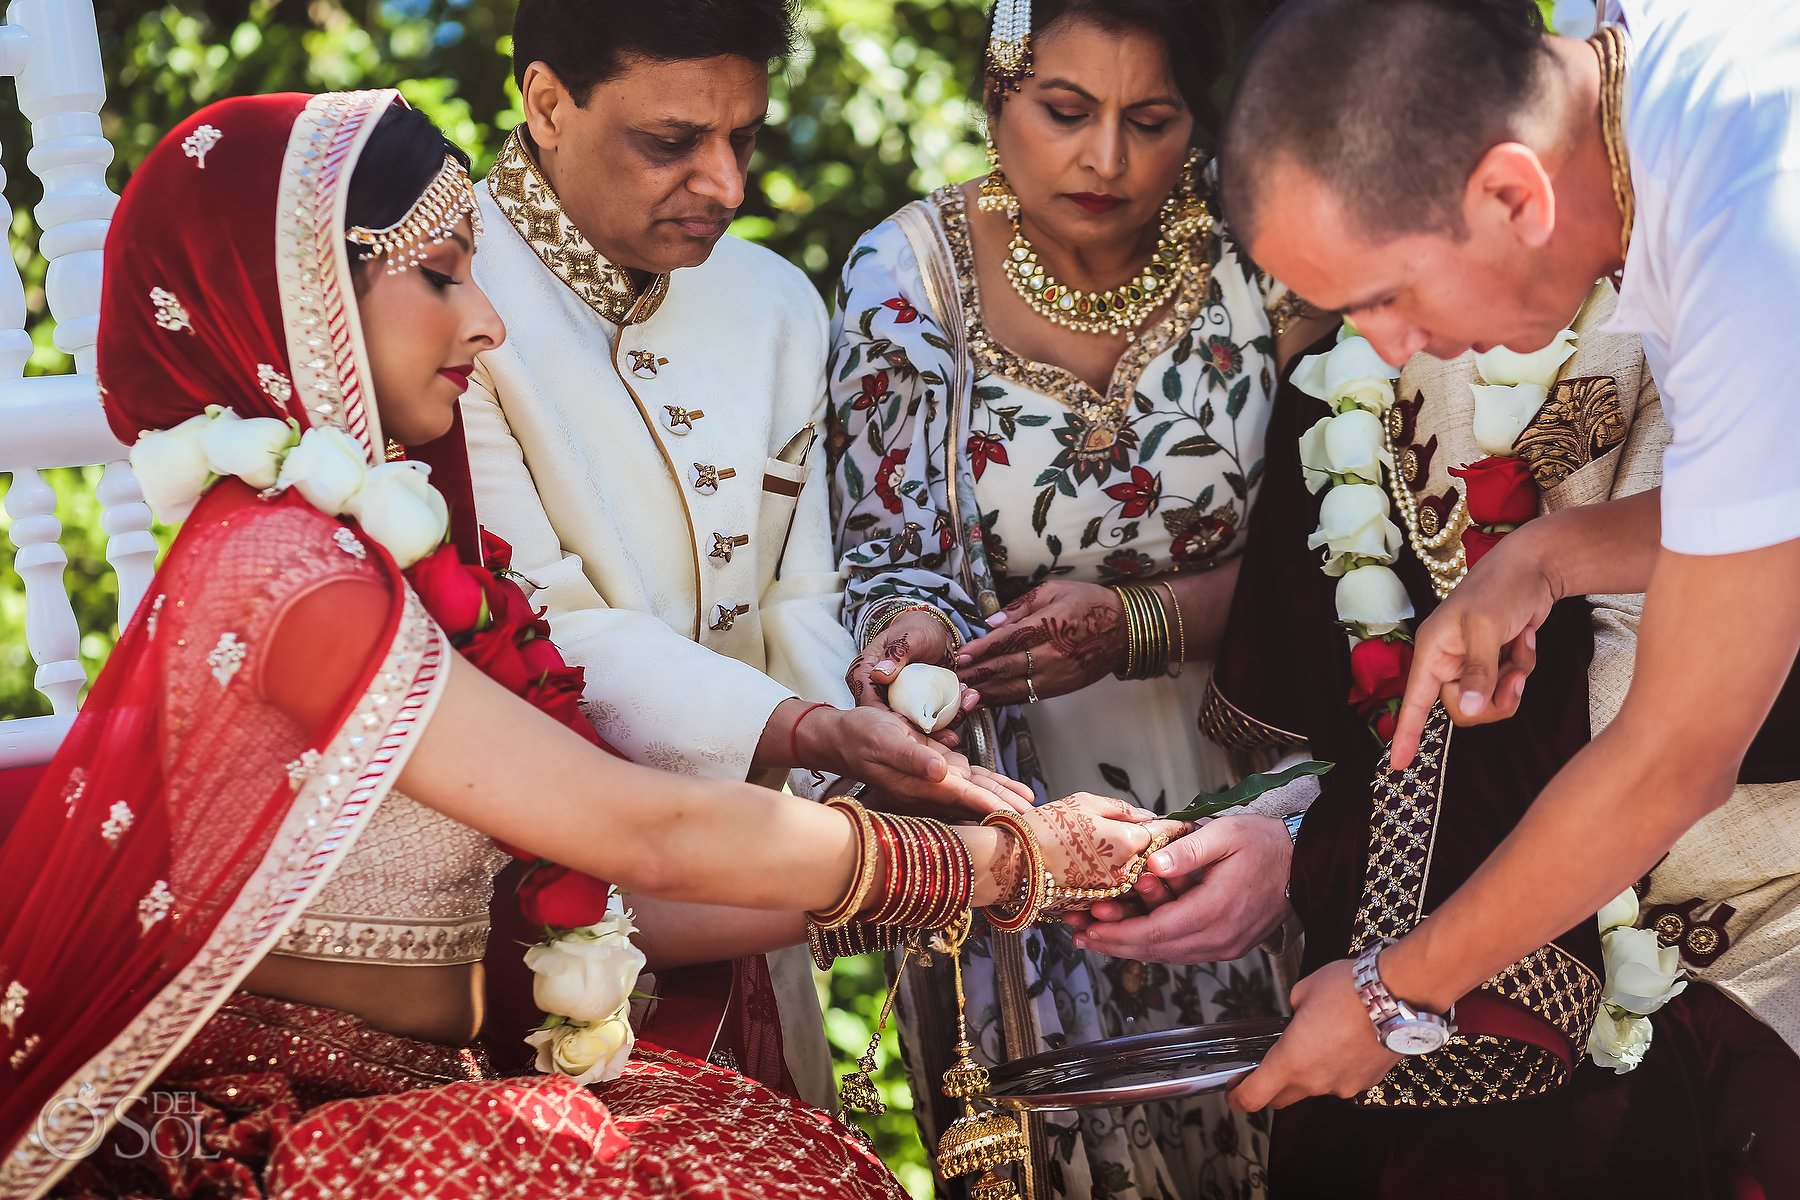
(645, 438)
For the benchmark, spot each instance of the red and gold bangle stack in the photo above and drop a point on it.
(1037, 878)
(918, 871)
(930, 877)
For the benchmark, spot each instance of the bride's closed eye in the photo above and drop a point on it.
(439, 280)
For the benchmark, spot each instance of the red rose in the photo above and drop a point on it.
(452, 593)
(1501, 491)
(565, 899)
(557, 694)
(494, 652)
(541, 657)
(1378, 670)
(1477, 542)
(507, 606)
(496, 552)
(1384, 724)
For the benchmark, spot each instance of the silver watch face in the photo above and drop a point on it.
(1414, 1035)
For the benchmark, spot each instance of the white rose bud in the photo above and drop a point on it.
(249, 449)
(1642, 974)
(927, 696)
(1374, 598)
(1349, 373)
(327, 467)
(1619, 1043)
(1347, 444)
(1622, 913)
(398, 507)
(171, 467)
(589, 1052)
(1506, 367)
(1502, 411)
(1353, 523)
(584, 978)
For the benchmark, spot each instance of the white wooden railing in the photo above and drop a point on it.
(51, 49)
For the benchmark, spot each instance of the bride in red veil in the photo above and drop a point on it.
(302, 708)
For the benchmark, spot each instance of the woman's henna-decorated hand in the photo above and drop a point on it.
(1088, 841)
(913, 637)
(1075, 633)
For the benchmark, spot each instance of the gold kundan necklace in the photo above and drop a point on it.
(1609, 45)
(1182, 224)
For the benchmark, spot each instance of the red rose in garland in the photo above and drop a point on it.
(563, 899)
(451, 591)
(1378, 671)
(1501, 491)
(1477, 542)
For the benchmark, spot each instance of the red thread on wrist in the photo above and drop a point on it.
(794, 733)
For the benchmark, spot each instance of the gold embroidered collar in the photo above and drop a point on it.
(532, 206)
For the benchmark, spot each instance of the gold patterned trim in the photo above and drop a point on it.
(332, 807)
(414, 941)
(1581, 421)
(1109, 412)
(1549, 983)
(1234, 729)
(532, 207)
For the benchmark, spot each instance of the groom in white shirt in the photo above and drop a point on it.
(1468, 200)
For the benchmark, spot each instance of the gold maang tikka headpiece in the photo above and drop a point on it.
(430, 221)
(1009, 44)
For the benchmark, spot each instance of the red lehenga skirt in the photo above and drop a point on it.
(294, 1102)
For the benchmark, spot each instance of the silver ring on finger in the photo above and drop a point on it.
(1031, 696)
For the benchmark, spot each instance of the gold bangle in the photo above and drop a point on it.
(850, 941)
(1180, 655)
(862, 879)
(880, 626)
(1038, 880)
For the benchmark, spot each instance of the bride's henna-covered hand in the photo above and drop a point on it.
(1088, 841)
(1075, 633)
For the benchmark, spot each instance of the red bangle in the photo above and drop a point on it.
(794, 733)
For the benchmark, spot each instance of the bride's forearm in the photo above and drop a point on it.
(498, 765)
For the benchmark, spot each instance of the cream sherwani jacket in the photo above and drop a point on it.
(651, 460)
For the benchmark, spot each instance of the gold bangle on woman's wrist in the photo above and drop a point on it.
(1037, 878)
(882, 621)
(864, 875)
(1148, 645)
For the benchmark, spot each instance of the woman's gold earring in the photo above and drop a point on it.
(996, 193)
(395, 451)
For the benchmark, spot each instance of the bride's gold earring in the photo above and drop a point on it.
(395, 451)
(996, 193)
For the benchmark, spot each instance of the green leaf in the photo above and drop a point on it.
(1240, 395)
(1091, 534)
(1238, 486)
(1196, 447)
(1048, 475)
(1207, 413)
(1171, 383)
(990, 392)
(1115, 777)
(1152, 440)
(1034, 419)
(861, 522)
(853, 479)
(1040, 511)
(1211, 804)
(932, 339)
(852, 361)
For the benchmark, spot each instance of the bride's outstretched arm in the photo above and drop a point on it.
(500, 766)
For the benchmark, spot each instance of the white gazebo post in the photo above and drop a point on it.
(52, 50)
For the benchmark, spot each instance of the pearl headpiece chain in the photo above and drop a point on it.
(429, 222)
(1009, 43)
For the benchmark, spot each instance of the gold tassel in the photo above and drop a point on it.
(975, 1141)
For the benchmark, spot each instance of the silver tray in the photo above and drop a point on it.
(1135, 1069)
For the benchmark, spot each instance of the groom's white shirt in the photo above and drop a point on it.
(695, 608)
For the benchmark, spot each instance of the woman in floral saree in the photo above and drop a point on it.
(241, 914)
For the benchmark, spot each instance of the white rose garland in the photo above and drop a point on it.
(1642, 975)
(394, 502)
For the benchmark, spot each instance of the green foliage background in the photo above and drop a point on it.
(876, 109)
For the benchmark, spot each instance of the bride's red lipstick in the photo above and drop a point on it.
(1096, 203)
(458, 375)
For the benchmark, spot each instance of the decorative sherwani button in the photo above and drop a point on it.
(680, 420)
(645, 363)
(724, 545)
(705, 477)
(726, 615)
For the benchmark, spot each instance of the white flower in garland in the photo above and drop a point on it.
(394, 503)
(1513, 388)
(1642, 975)
(1354, 527)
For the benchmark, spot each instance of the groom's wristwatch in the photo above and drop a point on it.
(1400, 1027)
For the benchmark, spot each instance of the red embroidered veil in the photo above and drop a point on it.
(187, 821)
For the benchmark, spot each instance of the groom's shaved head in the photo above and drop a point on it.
(1389, 103)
